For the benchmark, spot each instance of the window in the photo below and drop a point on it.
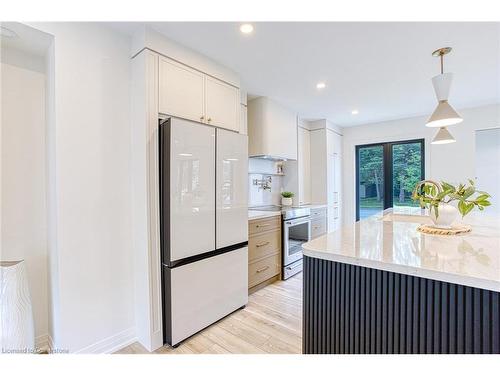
(386, 174)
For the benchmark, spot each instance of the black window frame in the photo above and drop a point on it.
(387, 168)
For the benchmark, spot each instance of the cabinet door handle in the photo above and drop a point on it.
(209, 119)
(263, 269)
(202, 118)
(262, 225)
(262, 244)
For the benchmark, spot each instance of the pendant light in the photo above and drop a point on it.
(444, 114)
(442, 137)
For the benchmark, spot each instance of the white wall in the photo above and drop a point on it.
(259, 169)
(488, 165)
(454, 162)
(89, 151)
(23, 198)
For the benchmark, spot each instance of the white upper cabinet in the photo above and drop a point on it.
(304, 168)
(272, 130)
(190, 94)
(222, 102)
(181, 91)
(243, 120)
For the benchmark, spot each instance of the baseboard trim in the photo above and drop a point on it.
(111, 344)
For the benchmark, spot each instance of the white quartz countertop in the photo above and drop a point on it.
(390, 241)
(255, 214)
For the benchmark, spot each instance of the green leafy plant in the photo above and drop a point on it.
(430, 194)
(287, 194)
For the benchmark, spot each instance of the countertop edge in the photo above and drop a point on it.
(406, 270)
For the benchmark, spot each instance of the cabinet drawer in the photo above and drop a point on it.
(318, 212)
(263, 269)
(264, 225)
(262, 245)
(318, 227)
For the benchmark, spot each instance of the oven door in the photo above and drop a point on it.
(296, 232)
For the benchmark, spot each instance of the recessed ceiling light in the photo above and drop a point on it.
(320, 85)
(354, 111)
(8, 33)
(246, 28)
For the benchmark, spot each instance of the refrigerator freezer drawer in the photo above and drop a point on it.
(200, 293)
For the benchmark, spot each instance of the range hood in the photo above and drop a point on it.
(272, 130)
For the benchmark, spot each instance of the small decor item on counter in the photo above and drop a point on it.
(438, 196)
(453, 231)
(16, 313)
(286, 198)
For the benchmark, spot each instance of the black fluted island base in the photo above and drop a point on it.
(351, 309)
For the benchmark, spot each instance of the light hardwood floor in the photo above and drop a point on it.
(270, 323)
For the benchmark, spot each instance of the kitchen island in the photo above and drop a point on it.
(380, 286)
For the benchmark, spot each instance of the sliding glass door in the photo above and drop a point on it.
(370, 181)
(386, 174)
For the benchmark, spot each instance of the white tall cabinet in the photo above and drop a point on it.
(297, 177)
(304, 165)
(243, 112)
(189, 86)
(334, 183)
(326, 170)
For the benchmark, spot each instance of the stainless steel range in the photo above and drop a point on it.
(296, 230)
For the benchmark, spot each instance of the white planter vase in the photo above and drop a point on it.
(286, 201)
(447, 214)
(16, 313)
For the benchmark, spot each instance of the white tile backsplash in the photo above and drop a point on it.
(260, 169)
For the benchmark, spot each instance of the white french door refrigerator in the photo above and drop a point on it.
(204, 225)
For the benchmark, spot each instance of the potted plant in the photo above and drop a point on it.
(286, 198)
(438, 196)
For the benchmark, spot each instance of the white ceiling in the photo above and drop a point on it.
(382, 69)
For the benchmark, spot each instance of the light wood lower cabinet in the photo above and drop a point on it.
(264, 252)
(263, 270)
(264, 244)
(264, 225)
